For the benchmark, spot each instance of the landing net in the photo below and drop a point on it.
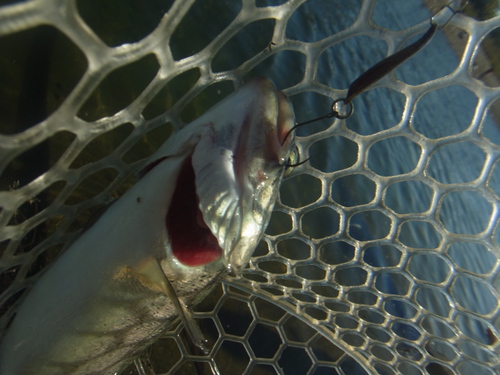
(382, 255)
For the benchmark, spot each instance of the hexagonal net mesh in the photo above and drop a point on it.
(382, 254)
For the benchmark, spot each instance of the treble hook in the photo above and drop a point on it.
(385, 66)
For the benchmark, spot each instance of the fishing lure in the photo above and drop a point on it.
(199, 210)
(343, 108)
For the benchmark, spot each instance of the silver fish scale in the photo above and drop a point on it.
(369, 265)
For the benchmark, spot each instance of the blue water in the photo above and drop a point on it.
(444, 112)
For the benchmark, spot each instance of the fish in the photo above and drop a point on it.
(198, 213)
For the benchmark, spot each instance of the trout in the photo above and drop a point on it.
(199, 210)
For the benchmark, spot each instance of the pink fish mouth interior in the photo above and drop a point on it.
(193, 244)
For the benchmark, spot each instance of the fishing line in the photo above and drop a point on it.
(343, 108)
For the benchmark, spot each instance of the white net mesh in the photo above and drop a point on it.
(382, 255)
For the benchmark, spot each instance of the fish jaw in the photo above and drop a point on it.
(239, 166)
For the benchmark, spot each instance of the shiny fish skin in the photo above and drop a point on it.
(102, 302)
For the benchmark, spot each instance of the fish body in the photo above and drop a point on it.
(199, 210)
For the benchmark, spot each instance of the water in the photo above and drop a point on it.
(445, 112)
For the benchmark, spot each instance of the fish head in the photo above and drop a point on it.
(201, 207)
(258, 150)
(236, 164)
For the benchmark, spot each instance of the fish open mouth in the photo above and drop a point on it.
(193, 244)
(240, 153)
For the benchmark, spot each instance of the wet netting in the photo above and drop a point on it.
(382, 254)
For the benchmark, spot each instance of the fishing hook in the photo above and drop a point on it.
(288, 165)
